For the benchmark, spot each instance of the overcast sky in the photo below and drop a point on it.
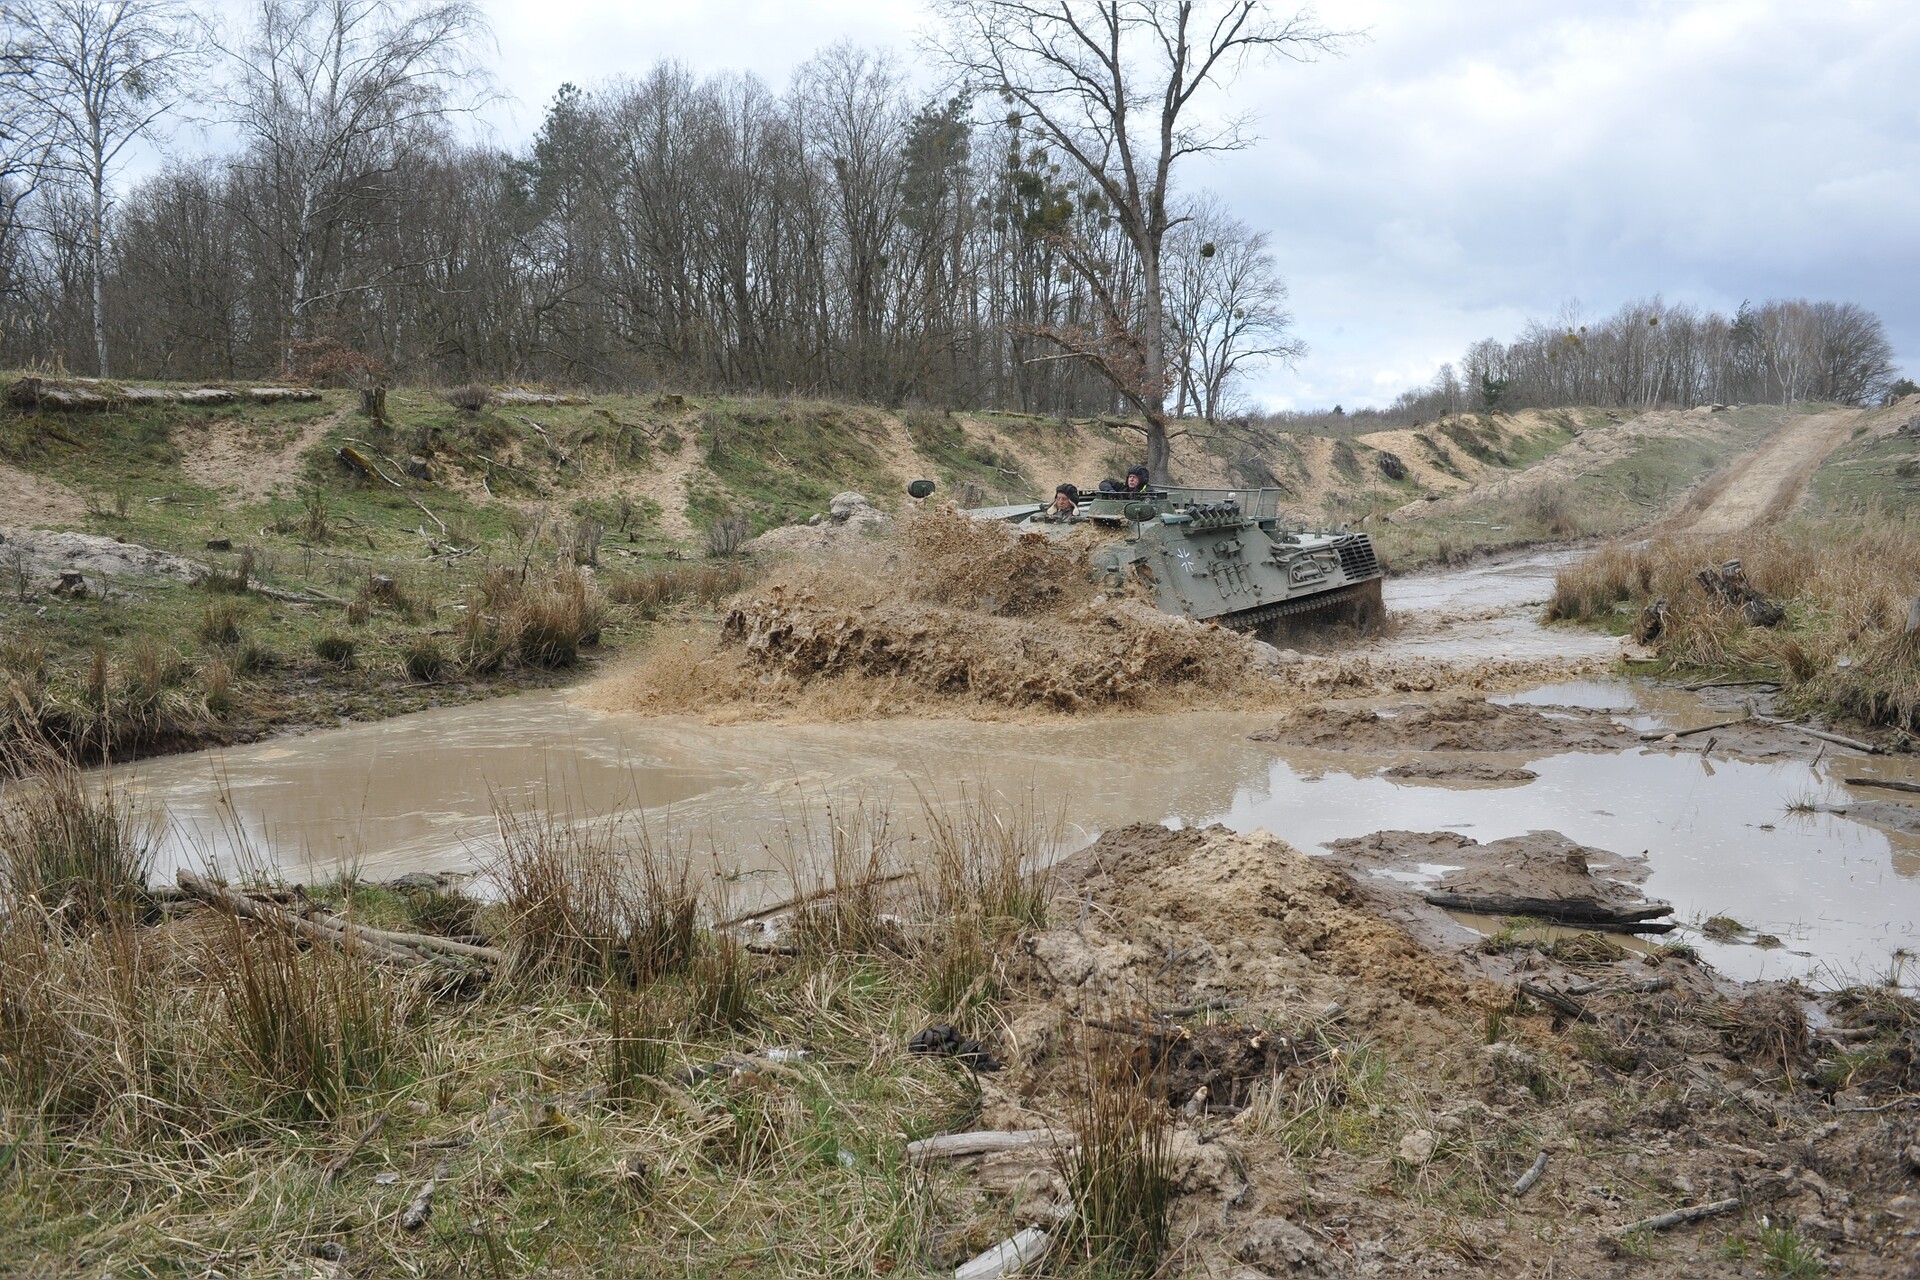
(1465, 165)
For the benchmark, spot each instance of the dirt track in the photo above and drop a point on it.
(1768, 483)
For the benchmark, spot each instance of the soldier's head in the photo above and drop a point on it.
(1066, 497)
(1136, 479)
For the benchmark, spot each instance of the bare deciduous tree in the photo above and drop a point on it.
(1115, 85)
(330, 94)
(96, 75)
(1226, 305)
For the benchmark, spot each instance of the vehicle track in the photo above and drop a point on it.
(1767, 484)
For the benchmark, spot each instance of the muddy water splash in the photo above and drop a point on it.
(416, 793)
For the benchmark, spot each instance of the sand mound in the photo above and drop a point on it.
(949, 611)
(1184, 917)
(51, 554)
(1452, 724)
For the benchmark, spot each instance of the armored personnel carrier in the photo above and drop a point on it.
(1222, 555)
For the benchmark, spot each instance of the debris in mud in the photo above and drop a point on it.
(1451, 724)
(944, 1040)
(1457, 771)
(1728, 585)
(1211, 1069)
(1542, 875)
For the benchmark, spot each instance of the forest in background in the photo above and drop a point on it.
(846, 237)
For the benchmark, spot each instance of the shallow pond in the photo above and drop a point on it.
(418, 793)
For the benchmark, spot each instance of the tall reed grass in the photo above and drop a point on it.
(1847, 587)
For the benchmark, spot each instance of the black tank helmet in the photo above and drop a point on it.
(1139, 473)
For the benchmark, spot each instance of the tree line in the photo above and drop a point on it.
(1653, 353)
(845, 236)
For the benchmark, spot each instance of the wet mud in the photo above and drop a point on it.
(1450, 724)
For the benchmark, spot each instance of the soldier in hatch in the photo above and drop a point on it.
(1135, 482)
(1065, 505)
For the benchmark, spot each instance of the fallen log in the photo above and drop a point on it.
(1583, 913)
(84, 395)
(512, 395)
(419, 941)
(1680, 1217)
(1838, 740)
(311, 922)
(1885, 784)
(953, 1146)
(267, 913)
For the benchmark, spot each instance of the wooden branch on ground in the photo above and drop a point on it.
(1010, 1257)
(952, 1146)
(297, 597)
(806, 899)
(309, 921)
(267, 913)
(1661, 735)
(1838, 740)
(415, 941)
(339, 1163)
(1680, 1217)
(1585, 913)
(1886, 784)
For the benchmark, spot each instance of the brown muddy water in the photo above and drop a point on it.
(1718, 837)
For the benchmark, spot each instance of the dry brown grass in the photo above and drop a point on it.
(1846, 586)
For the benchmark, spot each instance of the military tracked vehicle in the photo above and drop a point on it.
(1215, 555)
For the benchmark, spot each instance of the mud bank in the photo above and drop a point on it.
(1401, 1095)
(1450, 724)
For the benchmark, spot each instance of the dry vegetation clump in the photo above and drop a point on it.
(146, 695)
(655, 592)
(963, 614)
(542, 621)
(1847, 589)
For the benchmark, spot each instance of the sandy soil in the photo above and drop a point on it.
(48, 554)
(1768, 484)
(38, 500)
(226, 455)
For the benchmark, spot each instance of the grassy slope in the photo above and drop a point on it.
(1845, 567)
(518, 484)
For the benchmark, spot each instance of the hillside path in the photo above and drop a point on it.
(1768, 482)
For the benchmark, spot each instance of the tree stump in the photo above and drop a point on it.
(373, 403)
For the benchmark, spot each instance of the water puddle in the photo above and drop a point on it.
(416, 793)
(1717, 836)
(1488, 610)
